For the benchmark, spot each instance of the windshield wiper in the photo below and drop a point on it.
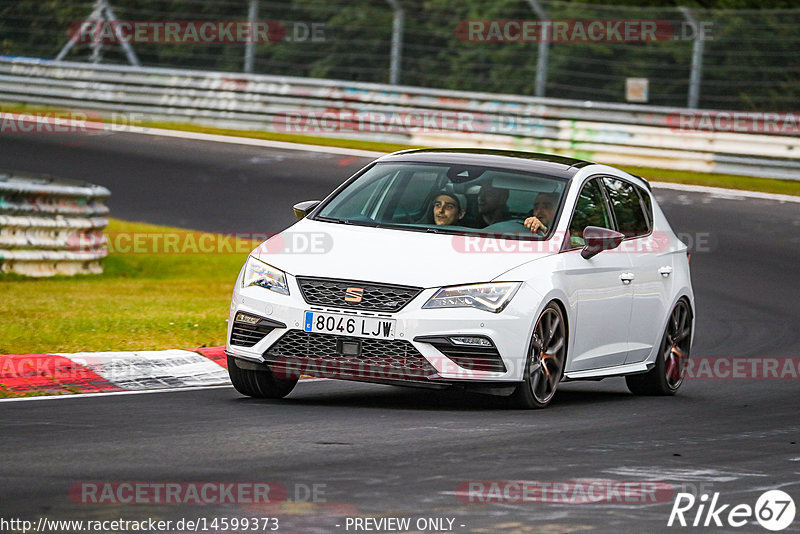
(371, 224)
(328, 219)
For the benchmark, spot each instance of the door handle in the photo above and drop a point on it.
(626, 278)
(665, 271)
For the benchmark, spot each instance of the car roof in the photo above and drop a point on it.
(546, 164)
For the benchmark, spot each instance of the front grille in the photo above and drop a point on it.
(376, 297)
(247, 335)
(473, 357)
(322, 355)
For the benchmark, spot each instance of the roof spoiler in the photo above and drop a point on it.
(649, 187)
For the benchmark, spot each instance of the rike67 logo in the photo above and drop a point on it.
(774, 510)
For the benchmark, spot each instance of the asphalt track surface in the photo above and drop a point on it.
(384, 451)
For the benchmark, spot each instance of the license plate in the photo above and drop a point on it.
(349, 325)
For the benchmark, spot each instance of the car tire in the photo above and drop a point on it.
(668, 373)
(259, 384)
(544, 366)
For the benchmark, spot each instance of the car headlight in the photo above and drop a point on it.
(258, 273)
(492, 297)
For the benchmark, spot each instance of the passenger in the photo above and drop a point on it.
(449, 208)
(492, 205)
(544, 211)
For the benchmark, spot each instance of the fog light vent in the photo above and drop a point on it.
(471, 341)
(477, 353)
(249, 329)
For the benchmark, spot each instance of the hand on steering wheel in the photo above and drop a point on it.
(535, 225)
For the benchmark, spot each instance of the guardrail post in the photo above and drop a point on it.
(397, 42)
(544, 51)
(250, 46)
(697, 58)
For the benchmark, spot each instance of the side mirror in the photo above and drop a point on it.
(301, 209)
(599, 239)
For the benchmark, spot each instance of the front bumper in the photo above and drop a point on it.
(508, 330)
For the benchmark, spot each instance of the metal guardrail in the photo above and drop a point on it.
(621, 134)
(51, 226)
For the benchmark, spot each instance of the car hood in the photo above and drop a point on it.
(332, 250)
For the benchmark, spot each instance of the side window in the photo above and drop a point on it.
(362, 202)
(627, 207)
(590, 210)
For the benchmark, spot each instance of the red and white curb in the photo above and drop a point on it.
(102, 372)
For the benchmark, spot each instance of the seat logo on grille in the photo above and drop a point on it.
(353, 294)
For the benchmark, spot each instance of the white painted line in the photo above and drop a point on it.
(679, 474)
(726, 193)
(136, 392)
(255, 142)
(107, 393)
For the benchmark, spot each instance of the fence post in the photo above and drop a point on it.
(97, 45)
(397, 42)
(250, 46)
(133, 59)
(697, 58)
(102, 11)
(544, 50)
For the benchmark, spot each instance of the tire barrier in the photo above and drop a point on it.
(51, 226)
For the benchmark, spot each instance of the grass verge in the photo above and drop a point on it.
(729, 181)
(8, 394)
(147, 301)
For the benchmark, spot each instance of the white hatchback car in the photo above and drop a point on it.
(501, 272)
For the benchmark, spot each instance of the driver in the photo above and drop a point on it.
(544, 211)
(492, 204)
(448, 208)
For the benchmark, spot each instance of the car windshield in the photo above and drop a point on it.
(445, 198)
